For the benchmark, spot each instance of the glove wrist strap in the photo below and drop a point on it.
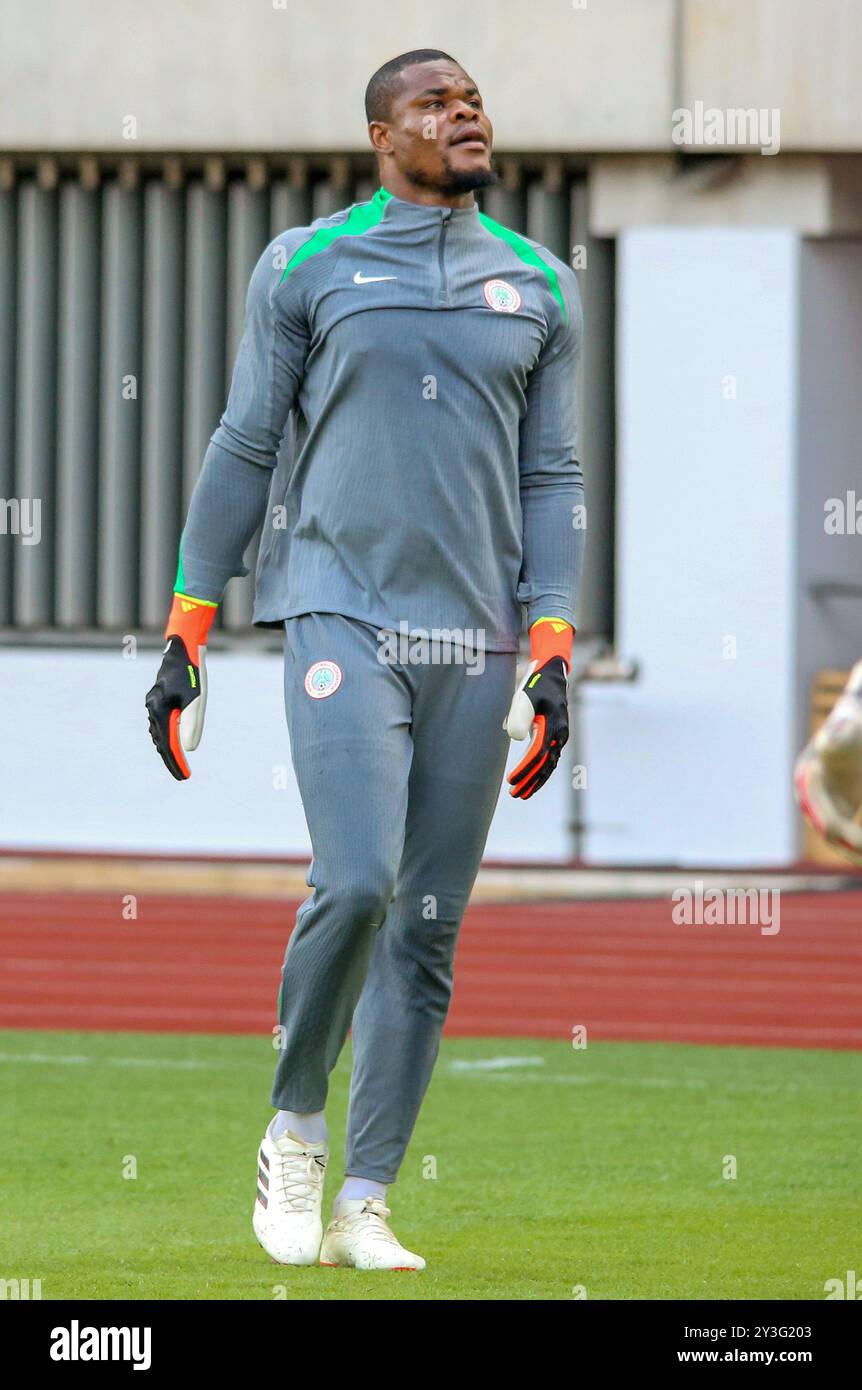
(191, 619)
(550, 637)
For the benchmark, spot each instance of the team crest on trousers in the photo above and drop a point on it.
(322, 679)
(502, 296)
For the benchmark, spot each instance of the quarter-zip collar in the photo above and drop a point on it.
(400, 212)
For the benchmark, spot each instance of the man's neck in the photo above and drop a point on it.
(409, 192)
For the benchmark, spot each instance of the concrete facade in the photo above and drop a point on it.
(567, 75)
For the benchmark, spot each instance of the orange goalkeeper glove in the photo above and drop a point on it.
(177, 702)
(541, 706)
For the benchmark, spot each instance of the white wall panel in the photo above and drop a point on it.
(691, 765)
(80, 772)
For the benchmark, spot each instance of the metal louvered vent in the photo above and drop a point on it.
(122, 292)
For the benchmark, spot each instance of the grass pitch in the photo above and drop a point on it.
(536, 1171)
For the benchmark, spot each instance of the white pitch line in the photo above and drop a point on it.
(70, 1060)
(571, 1080)
(43, 1057)
(496, 1063)
(506, 1069)
(659, 1082)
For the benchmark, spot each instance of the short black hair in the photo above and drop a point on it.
(383, 85)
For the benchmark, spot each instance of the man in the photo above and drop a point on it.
(428, 357)
(828, 774)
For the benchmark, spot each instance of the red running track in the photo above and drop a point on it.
(622, 969)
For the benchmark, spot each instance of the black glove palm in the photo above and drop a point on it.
(177, 702)
(540, 704)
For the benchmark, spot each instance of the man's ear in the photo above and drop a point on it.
(381, 140)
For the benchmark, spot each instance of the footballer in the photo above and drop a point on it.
(420, 360)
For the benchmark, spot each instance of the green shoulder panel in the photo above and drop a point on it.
(361, 218)
(528, 254)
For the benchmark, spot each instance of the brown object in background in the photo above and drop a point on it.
(826, 688)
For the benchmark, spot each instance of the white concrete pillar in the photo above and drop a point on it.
(691, 764)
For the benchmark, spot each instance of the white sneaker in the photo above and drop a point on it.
(286, 1219)
(360, 1238)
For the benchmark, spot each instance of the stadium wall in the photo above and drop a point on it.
(85, 775)
(214, 74)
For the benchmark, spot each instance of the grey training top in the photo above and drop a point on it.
(428, 356)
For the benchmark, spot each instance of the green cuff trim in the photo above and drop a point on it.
(204, 602)
(180, 581)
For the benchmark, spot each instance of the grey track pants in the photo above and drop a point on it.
(399, 767)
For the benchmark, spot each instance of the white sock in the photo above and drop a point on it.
(311, 1126)
(357, 1189)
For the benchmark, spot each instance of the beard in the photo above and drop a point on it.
(453, 181)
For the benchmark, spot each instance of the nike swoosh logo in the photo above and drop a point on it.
(360, 279)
